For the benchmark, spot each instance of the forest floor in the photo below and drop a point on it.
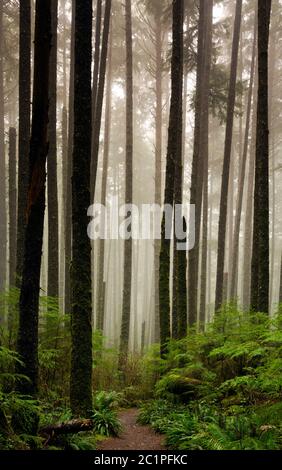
(134, 436)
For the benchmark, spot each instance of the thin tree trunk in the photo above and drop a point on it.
(197, 174)
(126, 301)
(3, 209)
(96, 57)
(248, 235)
(227, 157)
(53, 222)
(29, 296)
(12, 207)
(107, 136)
(242, 176)
(158, 163)
(81, 312)
(68, 204)
(174, 144)
(24, 128)
(97, 113)
(205, 156)
(260, 259)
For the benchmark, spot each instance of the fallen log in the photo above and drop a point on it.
(69, 427)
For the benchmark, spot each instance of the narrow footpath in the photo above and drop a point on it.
(134, 436)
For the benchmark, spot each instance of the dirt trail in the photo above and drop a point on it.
(134, 436)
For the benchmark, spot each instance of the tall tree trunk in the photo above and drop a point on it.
(3, 209)
(81, 312)
(107, 135)
(24, 128)
(68, 202)
(205, 157)
(29, 296)
(12, 206)
(158, 162)
(53, 223)
(227, 157)
(248, 235)
(127, 273)
(260, 258)
(97, 112)
(96, 57)
(242, 177)
(174, 145)
(197, 174)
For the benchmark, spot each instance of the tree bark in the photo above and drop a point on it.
(127, 271)
(3, 209)
(24, 128)
(242, 176)
(107, 136)
(12, 207)
(260, 258)
(97, 112)
(174, 145)
(52, 193)
(81, 311)
(68, 203)
(205, 157)
(227, 157)
(29, 296)
(197, 174)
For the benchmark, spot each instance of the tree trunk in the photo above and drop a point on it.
(260, 259)
(197, 174)
(81, 311)
(52, 194)
(107, 136)
(3, 209)
(127, 272)
(96, 57)
(242, 176)
(24, 128)
(68, 204)
(12, 207)
(97, 112)
(174, 145)
(227, 157)
(29, 296)
(158, 163)
(249, 211)
(205, 157)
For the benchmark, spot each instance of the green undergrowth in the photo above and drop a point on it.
(217, 389)
(222, 389)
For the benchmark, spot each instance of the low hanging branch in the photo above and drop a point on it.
(69, 427)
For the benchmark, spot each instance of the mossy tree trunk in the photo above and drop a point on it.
(29, 296)
(24, 127)
(81, 305)
(173, 158)
(3, 209)
(12, 206)
(227, 158)
(127, 267)
(52, 194)
(260, 258)
(197, 173)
